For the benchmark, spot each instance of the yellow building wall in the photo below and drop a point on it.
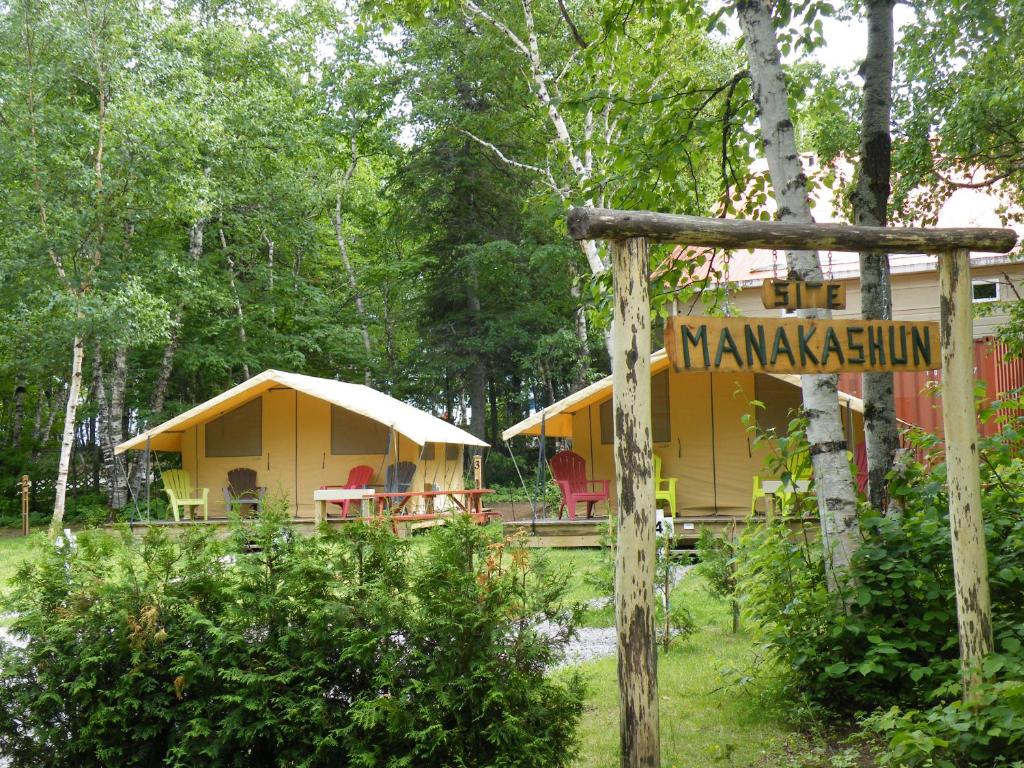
(710, 451)
(296, 458)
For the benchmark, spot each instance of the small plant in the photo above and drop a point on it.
(717, 564)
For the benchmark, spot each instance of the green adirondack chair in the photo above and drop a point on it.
(664, 487)
(178, 485)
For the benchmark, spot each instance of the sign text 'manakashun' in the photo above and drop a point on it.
(797, 345)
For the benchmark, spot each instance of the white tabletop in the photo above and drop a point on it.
(341, 494)
(774, 486)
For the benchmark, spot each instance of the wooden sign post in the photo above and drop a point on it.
(629, 232)
(960, 426)
(634, 472)
(478, 470)
(25, 485)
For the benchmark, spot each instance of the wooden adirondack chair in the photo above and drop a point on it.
(242, 489)
(399, 477)
(570, 472)
(664, 487)
(178, 486)
(358, 477)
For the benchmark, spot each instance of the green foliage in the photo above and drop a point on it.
(889, 638)
(347, 648)
(717, 563)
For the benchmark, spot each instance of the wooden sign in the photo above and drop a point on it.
(800, 294)
(797, 345)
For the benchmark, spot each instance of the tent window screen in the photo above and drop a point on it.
(427, 452)
(780, 400)
(238, 432)
(352, 434)
(452, 451)
(661, 415)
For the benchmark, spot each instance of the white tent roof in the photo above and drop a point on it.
(557, 417)
(417, 425)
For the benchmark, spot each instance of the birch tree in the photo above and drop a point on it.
(837, 499)
(870, 207)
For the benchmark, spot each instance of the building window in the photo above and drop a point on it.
(355, 435)
(238, 432)
(661, 415)
(427, 452)
(985, 290)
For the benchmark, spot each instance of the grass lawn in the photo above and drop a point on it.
(707, 719)
(14, 549)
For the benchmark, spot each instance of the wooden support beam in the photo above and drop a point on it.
(634, 472)
(609, 224)
(960, 427)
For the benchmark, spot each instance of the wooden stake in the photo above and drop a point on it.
(634, 471)
(26, 483)
(970, 560)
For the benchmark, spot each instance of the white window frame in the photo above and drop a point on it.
(984, 281)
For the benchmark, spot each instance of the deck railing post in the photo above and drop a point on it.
(634, 472)
(966, 523)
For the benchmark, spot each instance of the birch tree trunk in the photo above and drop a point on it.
(42, 398)
(18, 418)
(966, 523)
(870, 207)
(238, 301)
(478, 369)
(634, 473)
(117, 483)
(353, 283)
(68, 440)
(837, 499)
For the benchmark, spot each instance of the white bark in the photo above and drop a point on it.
(837, 499)
(357, 295)
(582, 167)
(68, 440)
(238, 301)
(966, 523)
(634, 473)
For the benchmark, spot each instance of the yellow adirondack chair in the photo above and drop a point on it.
(664, 487)
(799, 468)
(178, 485)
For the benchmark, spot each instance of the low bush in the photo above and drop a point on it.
(889, 641)
(348, 648)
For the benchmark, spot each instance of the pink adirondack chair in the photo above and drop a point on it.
(570, 472)
(358, 477)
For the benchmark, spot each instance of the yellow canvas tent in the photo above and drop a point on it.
(301, 432)
(697, 421)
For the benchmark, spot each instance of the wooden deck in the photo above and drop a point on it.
(584, 532)
(402, 525)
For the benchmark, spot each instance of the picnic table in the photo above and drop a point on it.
(324, 495)
(472, 499)
(469, 500)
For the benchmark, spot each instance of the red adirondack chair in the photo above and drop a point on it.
(358, 477)
(570, 472)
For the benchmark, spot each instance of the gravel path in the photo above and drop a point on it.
(596, 642)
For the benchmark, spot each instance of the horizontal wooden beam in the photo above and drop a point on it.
(610, 224)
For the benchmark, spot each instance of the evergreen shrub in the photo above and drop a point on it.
(347, 648)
